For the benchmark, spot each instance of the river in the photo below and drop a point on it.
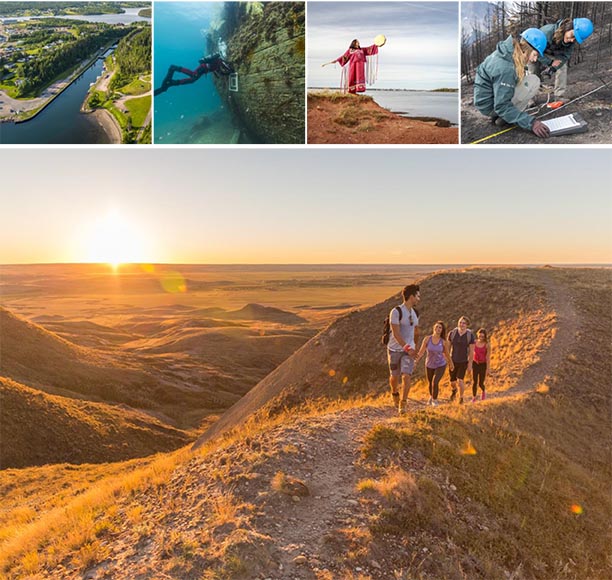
(61, 121)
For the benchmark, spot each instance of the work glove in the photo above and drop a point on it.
(549, 71)
(540, 129)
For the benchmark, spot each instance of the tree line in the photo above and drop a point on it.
(132, 58)
(48, 65)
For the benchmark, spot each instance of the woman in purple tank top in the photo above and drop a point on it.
(438, 356)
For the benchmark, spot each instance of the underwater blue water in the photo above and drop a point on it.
(179, 40)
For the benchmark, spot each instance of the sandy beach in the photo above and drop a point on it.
(108, 123)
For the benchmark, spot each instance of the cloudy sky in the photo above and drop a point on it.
(404, 206)
(422, 41)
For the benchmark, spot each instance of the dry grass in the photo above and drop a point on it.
(335, 96)
(70, 528)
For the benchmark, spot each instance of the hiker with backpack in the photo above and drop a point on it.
(399, 335)
(438, 355)
(482, 362)
(461, 341)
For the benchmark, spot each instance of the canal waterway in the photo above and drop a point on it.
(61, 121)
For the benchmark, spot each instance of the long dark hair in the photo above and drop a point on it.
(559, 34)
(354, 44)
(443, 333)
(486, 336)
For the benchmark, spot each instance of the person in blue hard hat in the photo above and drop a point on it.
(502, 89)
(561, 38)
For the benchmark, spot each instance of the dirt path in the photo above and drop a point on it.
(303, 530)
(568, 323)
(307, 533)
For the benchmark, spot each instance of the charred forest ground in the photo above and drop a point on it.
(590, 67)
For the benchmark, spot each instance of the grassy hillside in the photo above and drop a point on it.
(327, 482)
(39, 358)
(37, 429)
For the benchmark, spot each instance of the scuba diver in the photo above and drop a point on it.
(214, 64)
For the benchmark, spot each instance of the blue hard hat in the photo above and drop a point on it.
(536, 38)
(583, 28)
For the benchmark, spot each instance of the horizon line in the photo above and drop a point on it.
(599, 264)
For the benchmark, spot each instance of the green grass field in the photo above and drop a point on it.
(136, 87)
(139, 108)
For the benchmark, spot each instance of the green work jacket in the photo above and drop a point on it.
(495, 83)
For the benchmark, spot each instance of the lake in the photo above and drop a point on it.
(420, 103)
(130, 15)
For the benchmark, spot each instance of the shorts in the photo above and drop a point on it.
(399, 363)
(458, 372)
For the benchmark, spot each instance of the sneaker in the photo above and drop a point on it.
(402, 408)
(434, 403)
(453, 396)
(461, 400)
(474, 399)
(430, 402)
(483, 397)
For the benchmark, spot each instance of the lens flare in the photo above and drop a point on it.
(173, 282)
(468, 449)
(345, 380)
(147, 268)
(576, 509)
(331, 373)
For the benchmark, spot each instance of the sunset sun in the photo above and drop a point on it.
(114, 240)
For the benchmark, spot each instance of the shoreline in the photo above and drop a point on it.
(338, 118)
(48, 95)
(109, 125)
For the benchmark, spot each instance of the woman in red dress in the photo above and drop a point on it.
(361, 68)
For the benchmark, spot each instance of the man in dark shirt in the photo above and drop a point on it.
(462, 353)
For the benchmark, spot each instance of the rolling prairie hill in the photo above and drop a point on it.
(316, 477)
(37, 428)
(169, 361)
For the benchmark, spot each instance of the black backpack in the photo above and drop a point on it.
(384, 339)
(454, 331)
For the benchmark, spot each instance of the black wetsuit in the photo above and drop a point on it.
(214, 64)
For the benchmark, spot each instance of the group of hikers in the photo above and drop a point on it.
(508, 80)
(461, 351)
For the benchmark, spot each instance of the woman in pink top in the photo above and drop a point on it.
(482, 361)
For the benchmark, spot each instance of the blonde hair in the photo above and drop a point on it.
(520, 56)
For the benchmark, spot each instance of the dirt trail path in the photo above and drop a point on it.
(568, 323)
(304, 532)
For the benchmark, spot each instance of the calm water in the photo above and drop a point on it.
(191, 113)
(131, 15)
(61, 121)
(420, 103)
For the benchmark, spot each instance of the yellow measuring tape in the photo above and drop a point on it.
(491, 136)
